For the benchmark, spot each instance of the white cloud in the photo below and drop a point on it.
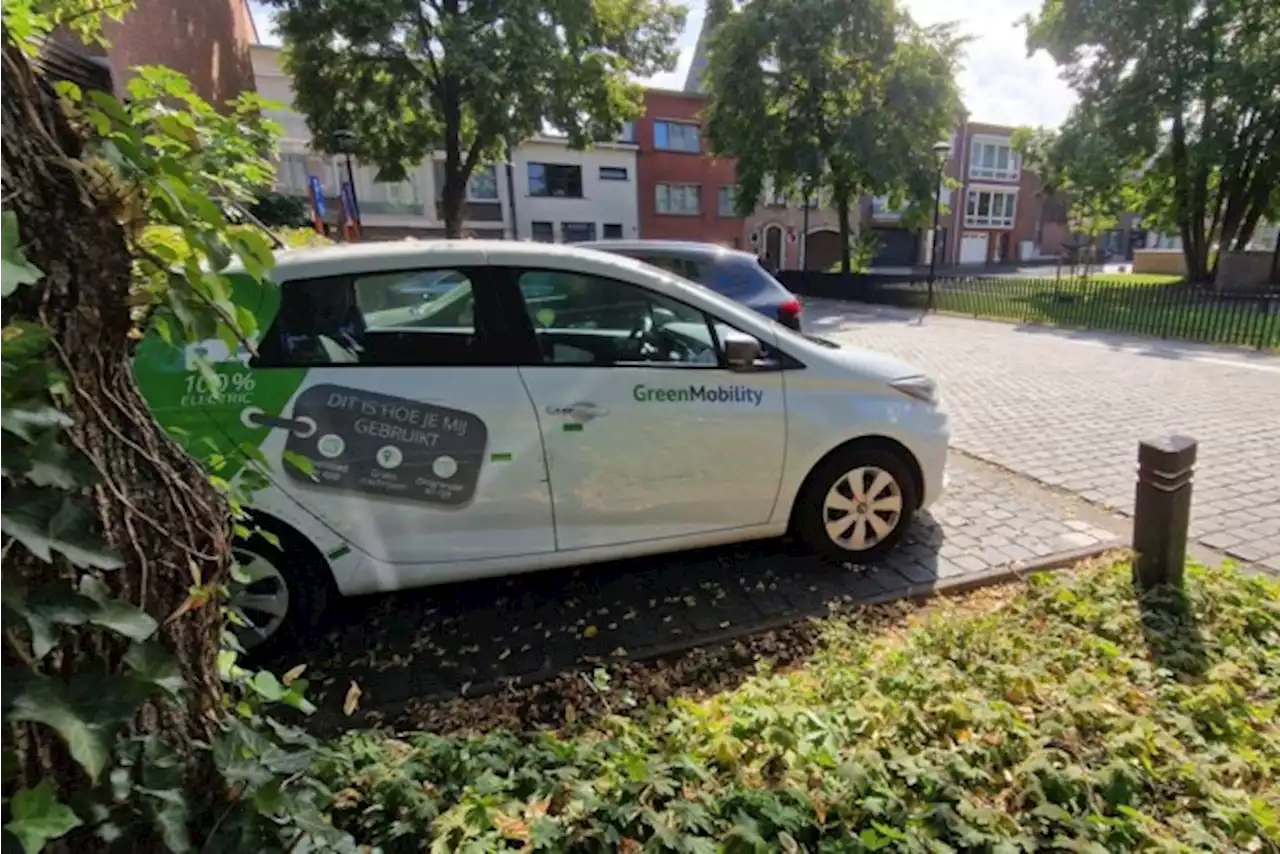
(999, 82)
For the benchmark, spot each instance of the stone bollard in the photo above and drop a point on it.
(1162, 510)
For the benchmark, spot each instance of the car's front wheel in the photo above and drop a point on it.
(857, 504)
(278, 596)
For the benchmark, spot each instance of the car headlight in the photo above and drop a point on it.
(920, 387)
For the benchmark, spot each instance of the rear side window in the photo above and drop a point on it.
(417, 318)
(687, 268)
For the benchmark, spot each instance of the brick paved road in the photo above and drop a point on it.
(483, 634)
(1068, 409)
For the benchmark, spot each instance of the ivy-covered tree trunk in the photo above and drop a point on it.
(153, 504)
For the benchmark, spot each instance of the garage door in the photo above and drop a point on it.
(973, 248)
(895, 247)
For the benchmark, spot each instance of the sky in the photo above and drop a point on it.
(999, 83)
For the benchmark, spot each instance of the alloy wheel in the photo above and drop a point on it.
(259, 602)
(862, 508)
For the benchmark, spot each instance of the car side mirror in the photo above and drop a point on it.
(740, 351)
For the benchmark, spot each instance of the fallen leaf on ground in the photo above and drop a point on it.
(352, 700)
(590, 632)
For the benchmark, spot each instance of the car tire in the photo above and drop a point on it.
(875, 522)
(285, 596)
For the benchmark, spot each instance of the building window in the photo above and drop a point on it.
(772, 197)
(993, 158)
(577, 232)
(291, 177)
(677, 136)
(613, 173)
(628, 133)
(544, 232)
(396, 198)
(613, 231)
(881, 209)
(726, 201)
(555, 179)
(483, 186)
(682, 199)
(991, 208)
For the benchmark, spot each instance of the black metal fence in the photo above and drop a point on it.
(1178, 311)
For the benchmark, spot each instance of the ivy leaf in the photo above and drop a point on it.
(23, 340)
(43, 701)
(38, 817)
(267, 686)
(46, 521)
(116, 614)
(15, 269)
(46, 608)
(45, 462)
(151, 662)
(29, 419)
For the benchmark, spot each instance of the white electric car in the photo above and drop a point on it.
(551, 406)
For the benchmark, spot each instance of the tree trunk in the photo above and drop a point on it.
(842, 212)
(1274, 278)
(154, 504)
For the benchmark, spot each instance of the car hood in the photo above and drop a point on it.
(868, 363)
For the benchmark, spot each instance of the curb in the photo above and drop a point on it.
(919, 593)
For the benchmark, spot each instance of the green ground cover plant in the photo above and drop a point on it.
(1064, 714)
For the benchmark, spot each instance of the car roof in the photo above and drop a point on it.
(372, 258)
(348, 258)
(682, 248)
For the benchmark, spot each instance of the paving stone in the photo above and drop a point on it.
(1068, 409)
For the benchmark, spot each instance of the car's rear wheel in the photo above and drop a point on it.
(857, 504)
(279, 596)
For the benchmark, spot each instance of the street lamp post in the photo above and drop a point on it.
(941, 152)
(346, 142)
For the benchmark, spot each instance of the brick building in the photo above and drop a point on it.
(994, 211)
(207, 40)
(684, 193)
(1000, 214)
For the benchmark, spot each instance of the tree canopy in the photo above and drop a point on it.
(1087, 170)
(469, 77)
(1190, 91)
(835, 97)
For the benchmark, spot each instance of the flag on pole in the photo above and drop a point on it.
(316, 191)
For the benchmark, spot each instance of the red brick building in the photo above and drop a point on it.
(207, 40)
(684, 192)
(999, 214)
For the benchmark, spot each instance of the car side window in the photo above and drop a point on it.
(682, 267)
(590, 320)
(401, 319)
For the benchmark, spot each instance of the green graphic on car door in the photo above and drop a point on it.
(321, 434)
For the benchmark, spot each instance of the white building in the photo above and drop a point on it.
(387, 209)
(567, 196)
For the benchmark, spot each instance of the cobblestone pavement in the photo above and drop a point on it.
(1069, 408)
(480, 635)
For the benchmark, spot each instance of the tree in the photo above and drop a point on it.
(1085, 169)
(127, 724)
(1189, 88)
(471, 77)
(831, 96)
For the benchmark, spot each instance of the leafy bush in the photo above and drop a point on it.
(1070, 716)
(277, 210)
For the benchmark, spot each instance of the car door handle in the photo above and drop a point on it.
(580, 411)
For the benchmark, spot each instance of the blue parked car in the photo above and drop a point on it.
(738, 275)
